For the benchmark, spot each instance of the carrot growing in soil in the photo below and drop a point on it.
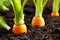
(38, 19)
(19, 26)
(3, 23)
(55, 8)
(3, 4)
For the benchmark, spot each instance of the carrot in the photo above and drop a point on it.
(38, 19)
(53, 14)
(19, 26)
(18, 29)
(55, 8)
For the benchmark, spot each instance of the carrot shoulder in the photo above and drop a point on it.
(54, 14)
(18, 29)
(38, 21)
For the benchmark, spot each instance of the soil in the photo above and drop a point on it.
(51, 31)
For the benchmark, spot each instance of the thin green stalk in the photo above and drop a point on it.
(3, 23)
(18, 11)
(2, 6)
(6, 2)
(39, 4)
(56, 5)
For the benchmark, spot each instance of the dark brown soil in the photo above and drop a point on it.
(49, 32)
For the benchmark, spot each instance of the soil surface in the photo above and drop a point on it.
(51, 31)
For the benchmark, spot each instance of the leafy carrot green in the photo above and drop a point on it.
(3, 4)
(3, 23)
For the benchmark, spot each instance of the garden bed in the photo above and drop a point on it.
(51, 31)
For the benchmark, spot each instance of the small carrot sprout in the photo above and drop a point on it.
(55, 8)
(3, 23)
(19, 26)
(3, 4)
(38, 19)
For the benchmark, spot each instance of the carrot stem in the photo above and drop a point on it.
(2, 6)
(3, 23)
(18, 11)
(56, 5)
(39, 4)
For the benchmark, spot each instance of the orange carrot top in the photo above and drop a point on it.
(19, 26)
(38, 19)
(55, 8)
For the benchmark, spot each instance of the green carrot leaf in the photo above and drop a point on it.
(56, 5)
(2, 6)
(3, 23)
(23, 4)
(18, 11)
(6, 2)
(39, 4)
